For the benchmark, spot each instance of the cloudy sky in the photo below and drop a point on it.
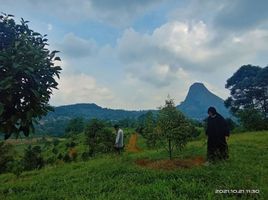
(132, 53)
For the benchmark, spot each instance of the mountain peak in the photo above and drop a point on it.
(197, 85)
(197, 101)
(197, 90)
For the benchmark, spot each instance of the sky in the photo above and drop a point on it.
(132, 54)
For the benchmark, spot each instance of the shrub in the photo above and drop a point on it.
(17, 167)
(32, 158)
(98, 138)
(6, 156)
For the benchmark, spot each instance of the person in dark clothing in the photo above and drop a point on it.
(217, 132)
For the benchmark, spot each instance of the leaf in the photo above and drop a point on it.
(58, 68)
(57, 58)
(36, 34)
(54, 52)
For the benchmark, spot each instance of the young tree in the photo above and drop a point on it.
(32, 158)
(26, 76)
(148, 131)
(173, 128)
(98, 137)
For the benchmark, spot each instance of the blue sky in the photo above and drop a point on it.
(132, 54)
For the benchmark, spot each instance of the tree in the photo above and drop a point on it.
(251, 119)
(173, 129)
(148, 131)
(75, 126)
(249, 95)
(32, 158)
(27, 70)
(98, 138)
(249, 89)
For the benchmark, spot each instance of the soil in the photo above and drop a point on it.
(171, 164)
(132, 144)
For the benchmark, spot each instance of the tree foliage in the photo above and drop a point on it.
(27, 70)
(75, 126)
(149, 131)
(32, 158)
(249, 89)
(7, 156)
(249, 96)
(99, 138)
(173, 129)
(251, 119)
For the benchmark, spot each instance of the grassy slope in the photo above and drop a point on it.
(112, 177)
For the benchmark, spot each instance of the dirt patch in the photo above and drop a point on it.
(170, 164)
(132, 144)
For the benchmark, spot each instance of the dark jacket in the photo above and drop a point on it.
(216, 131)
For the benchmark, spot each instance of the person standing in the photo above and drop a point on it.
(217, 133)
(119, 140)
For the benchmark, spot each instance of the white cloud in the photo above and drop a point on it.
(80, 88)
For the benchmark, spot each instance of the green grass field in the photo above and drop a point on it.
(113, 177)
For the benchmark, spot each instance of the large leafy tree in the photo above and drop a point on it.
(249, 90)
(27, 71)
(173, 129)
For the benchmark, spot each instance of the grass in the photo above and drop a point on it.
(113, 177)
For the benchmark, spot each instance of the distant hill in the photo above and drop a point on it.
(91, 110)
(55, 122)
(197, 101)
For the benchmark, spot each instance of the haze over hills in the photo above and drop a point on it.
(197, 101)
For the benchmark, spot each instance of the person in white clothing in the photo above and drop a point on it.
(119, 140)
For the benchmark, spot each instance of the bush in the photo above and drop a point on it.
(194, 132)
(66, 158)
(32, 158)
(17, 167)
(98, 138)
(72, 154)
(6, 156)
(55, 150)
(252, 120)
(85, 156)
(55, 142)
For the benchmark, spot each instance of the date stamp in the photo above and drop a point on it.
(237, 191)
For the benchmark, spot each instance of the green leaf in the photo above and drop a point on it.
(57, 58)
(58, 68)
